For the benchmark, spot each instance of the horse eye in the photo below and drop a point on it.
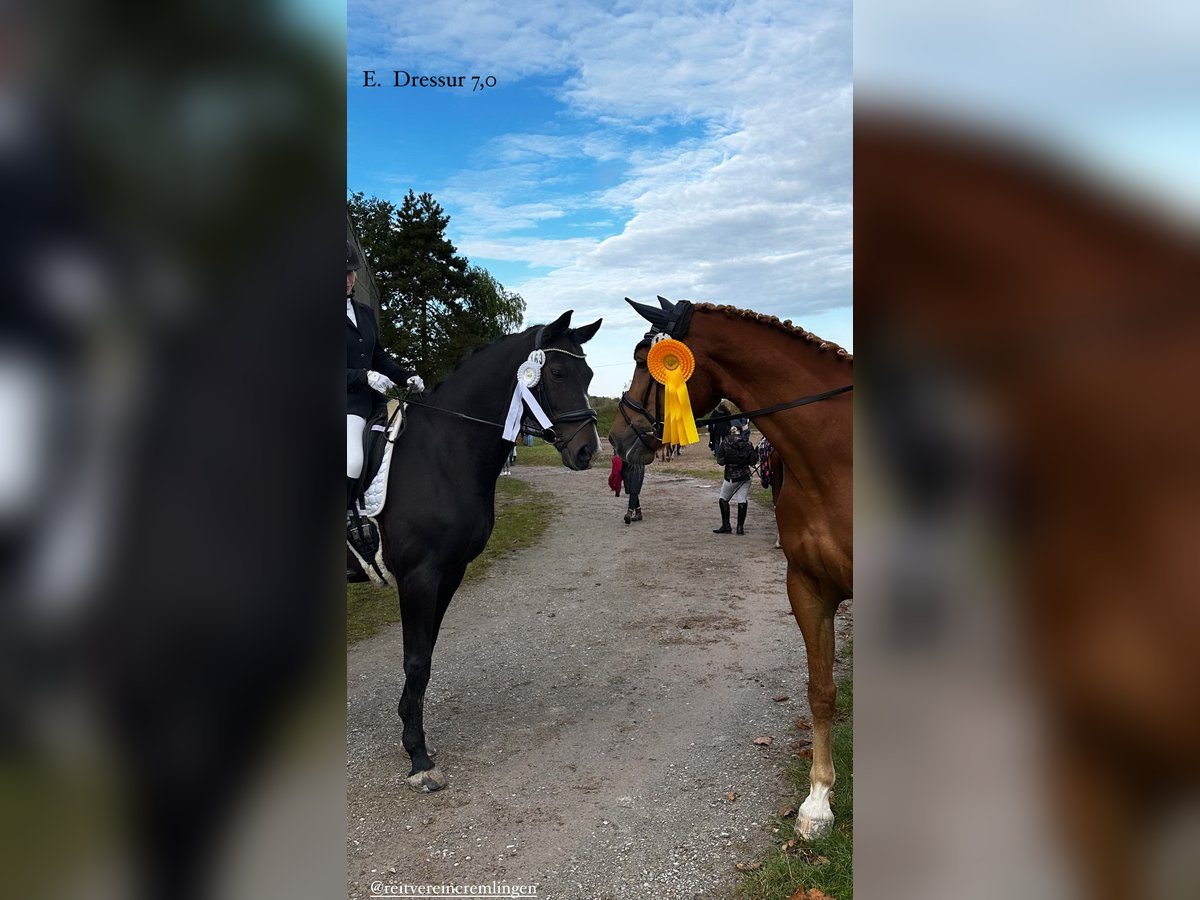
(557, 373)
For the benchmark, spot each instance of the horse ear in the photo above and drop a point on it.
(587, 332)
(559, 325)
(666, 304)
(655, 317)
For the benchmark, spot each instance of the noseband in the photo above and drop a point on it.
(585, 416)
(656, 425)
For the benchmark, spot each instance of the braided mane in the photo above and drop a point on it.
(787, 327)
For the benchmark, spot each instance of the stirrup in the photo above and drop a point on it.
(363, 539)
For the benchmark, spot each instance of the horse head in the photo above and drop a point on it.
(564, 390)
(636, 434)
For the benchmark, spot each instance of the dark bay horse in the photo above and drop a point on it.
(441, 497)
(1069, 314)
(757, 361)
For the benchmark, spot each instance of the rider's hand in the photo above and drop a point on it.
(416, 384)
(379, 382)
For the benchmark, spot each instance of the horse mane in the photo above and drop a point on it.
(787, 327)
(471, 354)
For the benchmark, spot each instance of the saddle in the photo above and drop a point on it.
(370, 492)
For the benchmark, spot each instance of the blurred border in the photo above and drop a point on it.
(171, 643)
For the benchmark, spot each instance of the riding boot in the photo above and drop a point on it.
(637, 514)
(361, 532)
(724, 529)
(742, 518)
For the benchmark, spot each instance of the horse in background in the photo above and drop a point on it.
(770, 473)
(815, 441)
(441, 494)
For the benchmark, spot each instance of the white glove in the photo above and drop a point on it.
(379, 382)
(416, 384)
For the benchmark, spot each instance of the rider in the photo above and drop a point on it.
(736, 454)
(369, 372)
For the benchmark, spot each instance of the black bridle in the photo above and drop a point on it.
(676, 319)
(656, 425)
(585, 416)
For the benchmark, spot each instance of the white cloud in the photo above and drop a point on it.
(751, 207)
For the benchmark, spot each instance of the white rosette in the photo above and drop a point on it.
(529, 373)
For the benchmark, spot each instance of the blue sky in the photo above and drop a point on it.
(1108, 86)
(698, 151)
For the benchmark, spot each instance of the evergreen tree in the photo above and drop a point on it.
(434, 306)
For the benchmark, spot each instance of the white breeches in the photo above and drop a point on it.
(355, 426)
(738, 492)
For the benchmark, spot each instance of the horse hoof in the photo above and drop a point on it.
(810, 828)
(427, 782)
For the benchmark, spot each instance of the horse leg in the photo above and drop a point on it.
(420, 619)
(814, 614)
(1097, 799)
(421, 626)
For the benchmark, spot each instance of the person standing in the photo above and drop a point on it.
(717, 430)
(632, 476)
(370, 371)
(736, 454)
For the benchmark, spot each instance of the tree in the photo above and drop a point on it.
(434, 306)
(488, 311)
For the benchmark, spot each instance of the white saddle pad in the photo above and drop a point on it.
(374, 498)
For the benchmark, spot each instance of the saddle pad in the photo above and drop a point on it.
(375, 495)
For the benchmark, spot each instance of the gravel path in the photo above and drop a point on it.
(593, 701)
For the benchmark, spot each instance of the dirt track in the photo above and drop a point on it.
(593, 701)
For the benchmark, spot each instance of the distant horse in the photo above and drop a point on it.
(1073, 317)
(815, 442)
(442, 489)
(771, 470)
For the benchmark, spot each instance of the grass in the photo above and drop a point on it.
(522, 516)
(828, 863)
(540, 454)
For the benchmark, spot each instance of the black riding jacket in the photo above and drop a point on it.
(364, 354)
(736, 454)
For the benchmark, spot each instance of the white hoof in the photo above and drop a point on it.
(427, 782)
(810, 829)
(815, 818)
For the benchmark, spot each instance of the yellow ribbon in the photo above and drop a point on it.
(671, 364)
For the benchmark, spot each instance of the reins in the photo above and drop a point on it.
(585, 417)
(525, 427)
(778, 407)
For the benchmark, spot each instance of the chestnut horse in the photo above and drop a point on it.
(1072, 316)
(758, 361)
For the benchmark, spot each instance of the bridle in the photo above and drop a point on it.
(656, 425)
(676, 319)
(585, 416)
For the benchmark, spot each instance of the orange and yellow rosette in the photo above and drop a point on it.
(671, 364)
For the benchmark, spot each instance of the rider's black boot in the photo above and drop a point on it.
(724, 529)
